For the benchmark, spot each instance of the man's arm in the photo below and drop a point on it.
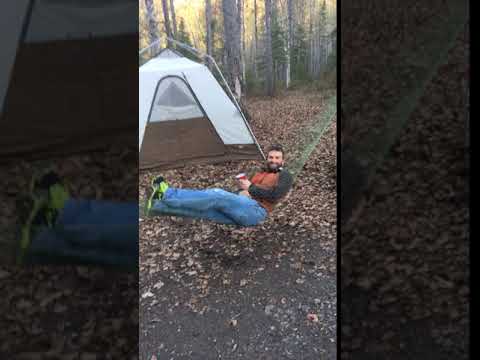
(285, 182)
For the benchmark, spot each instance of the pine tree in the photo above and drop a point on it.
(184, 37)
(279, 49)
(290, 37)
(299, 54)
(270, 89)
(217, 39)
(322, 26)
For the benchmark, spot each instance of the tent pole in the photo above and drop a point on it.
(10, 63)
(202, 55)
(149, 47)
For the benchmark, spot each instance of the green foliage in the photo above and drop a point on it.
(323, 18)
(299, 55)
(332, 62)
(182, 34)
(279, 46)
(254, 85)
(328, 81)
(184, 37)
(217, 36)
(279, 55)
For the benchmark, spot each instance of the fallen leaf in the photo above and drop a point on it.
(312, 317)
(147, 294)
(158, 285)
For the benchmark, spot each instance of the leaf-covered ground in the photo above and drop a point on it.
(413, 291)
(384, 74)
(385, 66)
(209, 290)
(405, 251)
(107, 175)
(68, 312)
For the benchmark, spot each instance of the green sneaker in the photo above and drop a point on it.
(158, 187)
(46, 199)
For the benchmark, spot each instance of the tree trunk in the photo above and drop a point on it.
(174, 19)
(252, 59)
(322, 37)
(166, 17)
(152, 25)
(209, 39)
(268, 47)
(255, 47)
(312, 42)
(232, 44)
(241, 30)
(290, 17)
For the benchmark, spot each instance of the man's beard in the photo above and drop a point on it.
(273, 167)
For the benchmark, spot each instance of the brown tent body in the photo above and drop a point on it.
(64, 98)
(171, 144)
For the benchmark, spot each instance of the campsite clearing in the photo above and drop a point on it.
(208, 290)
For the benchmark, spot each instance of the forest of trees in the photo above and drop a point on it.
(261, 46)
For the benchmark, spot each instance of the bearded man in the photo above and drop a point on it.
(249, 206)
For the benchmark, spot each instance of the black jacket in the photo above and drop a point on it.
(285, 182)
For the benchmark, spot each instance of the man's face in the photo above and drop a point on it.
(274, 160)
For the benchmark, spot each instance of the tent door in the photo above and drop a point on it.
(178, 128)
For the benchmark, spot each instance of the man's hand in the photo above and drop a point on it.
(244, 184)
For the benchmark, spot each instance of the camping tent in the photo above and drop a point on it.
(185, 116)
(66, 75)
